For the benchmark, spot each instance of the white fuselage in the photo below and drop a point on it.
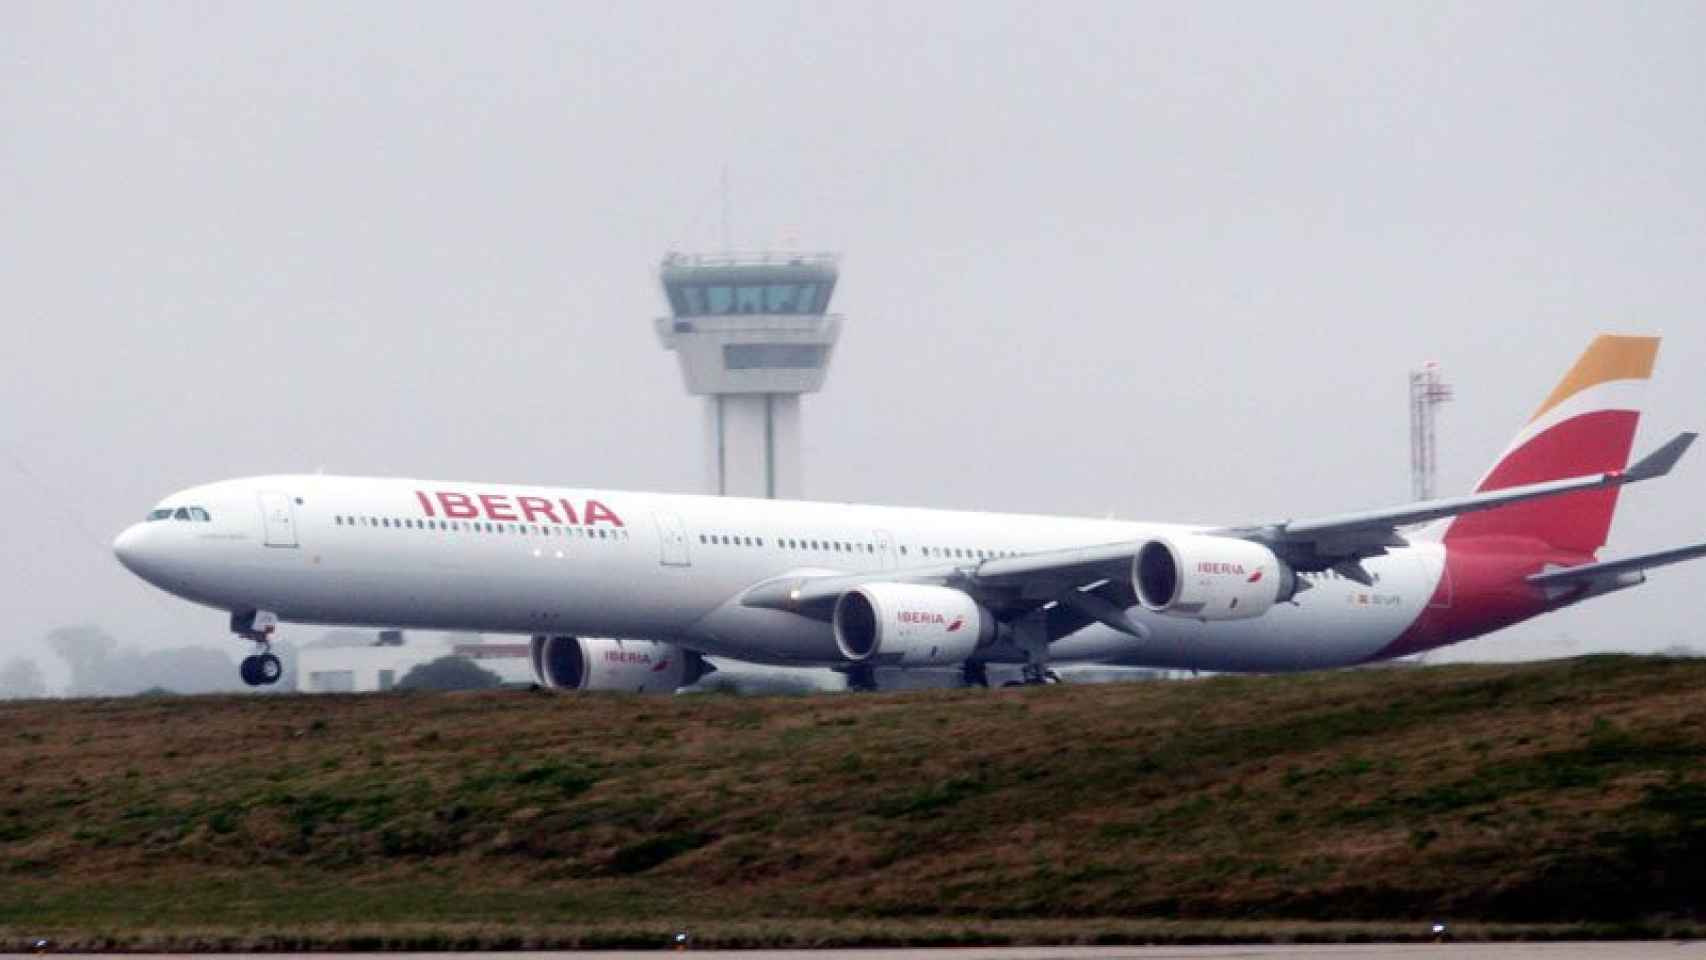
(533, 560)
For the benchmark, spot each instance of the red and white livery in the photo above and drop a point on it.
(855, 587)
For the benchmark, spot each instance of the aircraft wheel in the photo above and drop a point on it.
(861, 678)
(250, 671)
(268, 669)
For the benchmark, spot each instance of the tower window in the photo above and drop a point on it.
(772, 356)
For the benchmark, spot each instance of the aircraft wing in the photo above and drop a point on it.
(1088, 584)
(1341, 542)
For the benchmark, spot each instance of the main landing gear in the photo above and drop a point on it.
(1031, 636)
(262, 668)
(861, 677)
(974, 673)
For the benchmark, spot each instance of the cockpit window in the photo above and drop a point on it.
(192, 514)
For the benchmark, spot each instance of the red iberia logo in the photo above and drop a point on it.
(502, 506)
(1209, 566)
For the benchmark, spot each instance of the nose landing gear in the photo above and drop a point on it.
(262, 668)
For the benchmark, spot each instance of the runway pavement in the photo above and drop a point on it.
(1636, 950)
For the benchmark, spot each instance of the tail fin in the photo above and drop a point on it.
(1586, 426)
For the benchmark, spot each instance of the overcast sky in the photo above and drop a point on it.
(1167, 262)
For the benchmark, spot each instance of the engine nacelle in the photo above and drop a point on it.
(910, 624)
(604, 663)
(1210, 578)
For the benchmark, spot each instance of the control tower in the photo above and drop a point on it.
(753, 332)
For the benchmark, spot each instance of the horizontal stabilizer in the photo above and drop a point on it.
(1590, 572)
(1660, 461)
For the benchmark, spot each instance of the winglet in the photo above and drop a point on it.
(1660, 461)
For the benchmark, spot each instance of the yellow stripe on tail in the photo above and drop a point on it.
(1609, 357)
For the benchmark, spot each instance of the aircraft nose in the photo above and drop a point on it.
(131, 549)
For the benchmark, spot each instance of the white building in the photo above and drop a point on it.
(381, 667)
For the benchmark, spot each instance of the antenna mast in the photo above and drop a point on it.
(728, 245)
(1428, 390)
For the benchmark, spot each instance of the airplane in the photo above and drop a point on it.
(632, 591)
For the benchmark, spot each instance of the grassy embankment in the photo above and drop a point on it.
(1544, 800)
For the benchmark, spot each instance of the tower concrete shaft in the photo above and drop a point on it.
(752, 333)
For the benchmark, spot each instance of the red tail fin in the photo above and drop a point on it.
(1586, 426)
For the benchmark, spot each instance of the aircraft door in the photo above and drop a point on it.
(278, 517)
(885, 548)
(672, 540)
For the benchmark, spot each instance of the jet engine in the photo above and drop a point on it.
(603, 663)
(1210, 578)
(910, 624)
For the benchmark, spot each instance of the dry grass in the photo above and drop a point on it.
(1551, 794)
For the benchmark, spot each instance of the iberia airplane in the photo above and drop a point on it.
(857, 587)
